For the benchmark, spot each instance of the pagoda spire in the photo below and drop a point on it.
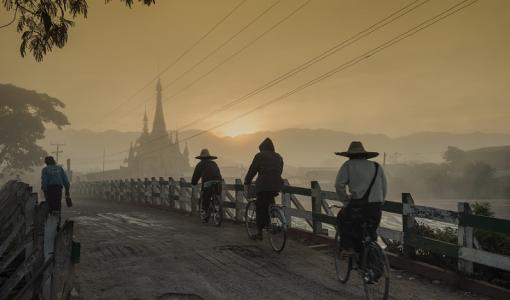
(159, 126)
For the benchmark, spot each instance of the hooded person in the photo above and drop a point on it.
(268, 166)
(208, 171)
(367, 191)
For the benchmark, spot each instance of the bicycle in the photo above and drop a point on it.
(215, 211)
(277, 228)
(371, 264)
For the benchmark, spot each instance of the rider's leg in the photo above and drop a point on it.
(374, 213)
(206, 200)
(262, 205)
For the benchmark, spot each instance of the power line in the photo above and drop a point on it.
(253, 21)
(189, 49)
(341, 45)
(429, 22)
(276, 25)
(446, 13)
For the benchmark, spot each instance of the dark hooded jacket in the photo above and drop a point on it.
(269, 166)
(206, 170)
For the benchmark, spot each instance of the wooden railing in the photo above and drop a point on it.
(35, 259)
(181, 195)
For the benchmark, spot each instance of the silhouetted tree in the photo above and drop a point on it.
(454, 155)
(43, 24)
(23, 114)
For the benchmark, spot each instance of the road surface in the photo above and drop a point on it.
(136, 252)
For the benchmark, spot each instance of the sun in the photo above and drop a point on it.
(238, 129)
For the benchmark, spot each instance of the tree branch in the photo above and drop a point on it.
(13, 19)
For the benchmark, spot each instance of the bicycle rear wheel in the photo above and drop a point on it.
(278, 230)
(375, 272)
(343, 263)
(216, 211)
(250, 219)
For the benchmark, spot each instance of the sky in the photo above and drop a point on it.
(450, 77)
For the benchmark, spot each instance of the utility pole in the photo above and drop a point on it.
(384, 159)
(57, 153)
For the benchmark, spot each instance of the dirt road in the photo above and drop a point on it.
(134, 252)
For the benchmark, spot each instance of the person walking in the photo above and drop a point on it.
(367, 186)
(209, 172)
(268, 165)
(53, 179)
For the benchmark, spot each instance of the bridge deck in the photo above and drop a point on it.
(133, 252)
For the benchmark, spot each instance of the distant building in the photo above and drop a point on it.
(156, 153)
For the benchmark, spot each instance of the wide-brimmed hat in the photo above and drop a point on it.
(356, 149)
(204, 154)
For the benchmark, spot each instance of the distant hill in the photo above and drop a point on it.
(300, 147)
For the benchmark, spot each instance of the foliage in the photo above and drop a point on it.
(44, 24)
(454, 155)
(23, 114)
(482, 209)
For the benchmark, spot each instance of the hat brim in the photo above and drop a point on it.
(363, 154)
(206, 157)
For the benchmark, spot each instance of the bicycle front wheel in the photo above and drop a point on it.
(278, 230)
(250, 219)
(343, 262)
(375, 272)
(216, 211)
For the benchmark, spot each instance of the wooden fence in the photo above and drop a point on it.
(181, 195)
(35, 258)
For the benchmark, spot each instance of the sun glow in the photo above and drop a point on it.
(238, 129)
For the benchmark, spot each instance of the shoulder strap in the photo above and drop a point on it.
(367, 193)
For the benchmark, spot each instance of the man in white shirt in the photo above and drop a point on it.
(361, 186)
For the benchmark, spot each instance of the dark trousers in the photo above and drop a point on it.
(206, 196)
(53, 195)
(351, 219)
(264, 200)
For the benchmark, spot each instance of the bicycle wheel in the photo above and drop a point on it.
(250, 219)
(216, 211)
(375, 272)
(278, 230)
(343, 263)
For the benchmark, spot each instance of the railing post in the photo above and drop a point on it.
(145, 190)
(171, 192)
(152, 190)
(408, 223)
(121, 190)
(223, 197)
(195, 197)
(465, 239)
(139, 190)
(286, 202)
(316, 206)
(239, 189)
(161, 186)
(182, 194)
(132, 189)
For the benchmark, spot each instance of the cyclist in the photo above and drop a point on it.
(53, 179)
(209, 172)
(363, 204)
(269, 166)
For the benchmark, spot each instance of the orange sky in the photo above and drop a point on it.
(451, 77)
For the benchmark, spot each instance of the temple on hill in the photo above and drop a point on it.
(157, 153)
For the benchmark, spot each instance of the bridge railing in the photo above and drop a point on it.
(308, 209)
(35, 257)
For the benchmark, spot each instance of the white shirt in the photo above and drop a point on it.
(357, 175)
